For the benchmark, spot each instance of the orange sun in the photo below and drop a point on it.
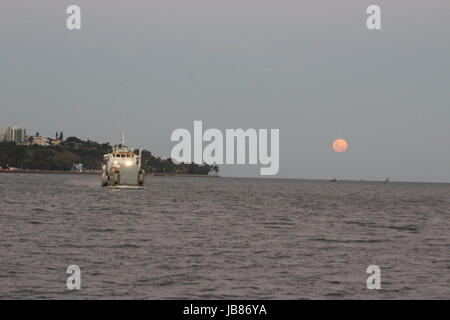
(340, 145)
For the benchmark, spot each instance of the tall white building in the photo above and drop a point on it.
(15, 134)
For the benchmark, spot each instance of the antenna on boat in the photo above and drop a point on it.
(123, 137)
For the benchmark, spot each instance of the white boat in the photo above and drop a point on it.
(122, 168)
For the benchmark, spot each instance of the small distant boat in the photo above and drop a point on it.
(333, 180)
(387, 180)
(121, 169)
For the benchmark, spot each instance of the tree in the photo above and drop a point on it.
(74, 140)
(61, 136)
(57, 134)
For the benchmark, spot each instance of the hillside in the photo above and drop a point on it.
(73, 150)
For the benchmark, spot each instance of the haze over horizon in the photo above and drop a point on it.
(311, 69)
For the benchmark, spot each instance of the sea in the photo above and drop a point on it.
(222, 238)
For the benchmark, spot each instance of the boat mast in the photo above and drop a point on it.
(123, 138)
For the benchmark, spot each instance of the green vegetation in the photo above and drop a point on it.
(73, 150)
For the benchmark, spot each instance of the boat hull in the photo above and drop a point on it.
(124, 177)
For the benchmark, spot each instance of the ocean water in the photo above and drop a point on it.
(222, 238)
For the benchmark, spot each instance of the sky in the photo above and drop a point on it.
(309, 68)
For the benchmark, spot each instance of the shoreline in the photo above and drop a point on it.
(99, 173)
(209, 176)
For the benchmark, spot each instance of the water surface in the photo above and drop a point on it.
(206, 238)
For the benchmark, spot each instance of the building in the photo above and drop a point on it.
(55, 142)
(15, 134)
(77, 167)
(1, 136)
(40, 141)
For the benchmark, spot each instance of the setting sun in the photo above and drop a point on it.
(340, 145)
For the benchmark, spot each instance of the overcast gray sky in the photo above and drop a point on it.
(310, 68)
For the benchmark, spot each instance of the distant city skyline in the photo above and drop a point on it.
(311, 69)
(13, 134)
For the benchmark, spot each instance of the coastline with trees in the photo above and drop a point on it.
(64, 156)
